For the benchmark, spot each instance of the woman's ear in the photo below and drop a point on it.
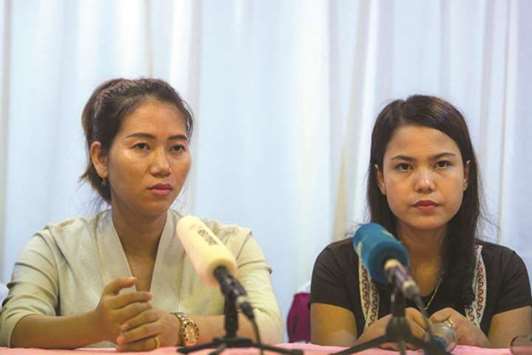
(99, 159)
(380, 179)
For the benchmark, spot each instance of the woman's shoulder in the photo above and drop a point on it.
(71, 229)
(67, 237)
(494, 250)
(340, 247)
(226, 231)
(499, 257)
(339, 252)
(508, 284)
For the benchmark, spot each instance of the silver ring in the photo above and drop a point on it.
(450, 323)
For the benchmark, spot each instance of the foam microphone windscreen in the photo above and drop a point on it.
(374, 245)
(205, 250)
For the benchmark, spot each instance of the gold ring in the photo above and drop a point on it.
(157, 342)
(450, 322)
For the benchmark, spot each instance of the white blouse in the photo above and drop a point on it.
(65, 267)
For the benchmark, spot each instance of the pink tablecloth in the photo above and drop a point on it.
(308, 348)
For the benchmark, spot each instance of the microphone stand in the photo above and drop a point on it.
(397, 331)
(230, 339)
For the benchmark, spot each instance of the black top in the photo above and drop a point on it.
(335, 282)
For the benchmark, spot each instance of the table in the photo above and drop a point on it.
(308, 348)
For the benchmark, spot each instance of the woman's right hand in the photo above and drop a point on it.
(115, 308)
(414, 319)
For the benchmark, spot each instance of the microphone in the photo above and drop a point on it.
(213, 262)
(385, 258)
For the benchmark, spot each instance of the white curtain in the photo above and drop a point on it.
(3, 129)
(284, 94)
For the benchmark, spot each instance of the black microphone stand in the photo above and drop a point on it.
(397, 331)
(230, 339)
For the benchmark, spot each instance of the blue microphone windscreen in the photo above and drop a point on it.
(374, 245)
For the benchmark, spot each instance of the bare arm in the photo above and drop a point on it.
(332, 325)
(514, 293)
(506, 325)
(56, 332)
(67, 332)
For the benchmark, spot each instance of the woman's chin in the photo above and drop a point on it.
(155, 210)
(426, 225)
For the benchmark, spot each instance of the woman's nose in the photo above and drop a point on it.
(424, 181)
(160, 164)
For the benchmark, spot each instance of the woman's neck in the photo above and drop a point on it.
(424, 248)
(139, 234)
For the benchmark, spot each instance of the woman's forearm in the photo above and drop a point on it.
(58, 332)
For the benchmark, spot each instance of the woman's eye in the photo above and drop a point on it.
(403, 167)
(179, 148)
(443, 164)
(141, 146)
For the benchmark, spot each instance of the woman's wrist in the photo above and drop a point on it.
(484, 340)
(93, 328)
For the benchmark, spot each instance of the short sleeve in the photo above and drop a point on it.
(33, 288)
(328, 280)
(515, 284)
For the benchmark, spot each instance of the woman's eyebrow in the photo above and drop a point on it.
(434, 157)
(151, 136)
(443, 155)
(403, 157)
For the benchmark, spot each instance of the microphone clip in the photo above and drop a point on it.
(399, 276)
(233, 290)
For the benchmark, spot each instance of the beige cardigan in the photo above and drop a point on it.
(64, 268)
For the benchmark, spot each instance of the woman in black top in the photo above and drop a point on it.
(423, 187)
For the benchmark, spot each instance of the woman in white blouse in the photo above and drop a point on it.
(121, 278)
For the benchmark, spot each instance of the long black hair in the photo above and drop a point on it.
(458, 252)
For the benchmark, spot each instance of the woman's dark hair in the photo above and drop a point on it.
(107, 107)
(459, 245)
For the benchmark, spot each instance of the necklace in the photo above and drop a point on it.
(433, 294)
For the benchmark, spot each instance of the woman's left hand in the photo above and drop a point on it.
(466, 332)
(148, 330)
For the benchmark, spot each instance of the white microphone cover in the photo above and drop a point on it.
(205, 250)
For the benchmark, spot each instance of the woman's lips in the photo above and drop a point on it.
(161, 189)
(425, 203)
(426, 206)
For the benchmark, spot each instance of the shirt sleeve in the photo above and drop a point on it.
(328, 279)
(33, 288)
(515, 287)
(255, 275)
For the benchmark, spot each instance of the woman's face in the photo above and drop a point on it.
(423, 177)
(149, 159)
